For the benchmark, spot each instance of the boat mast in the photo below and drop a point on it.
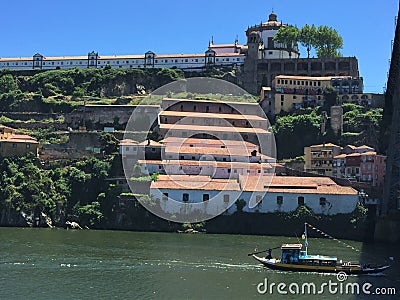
(305, 233)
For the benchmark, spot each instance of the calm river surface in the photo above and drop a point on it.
(67, 264)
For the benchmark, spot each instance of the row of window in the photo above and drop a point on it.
(121, 61)
(14, 145)
(299, 82)
(279, 199)
(185, 197)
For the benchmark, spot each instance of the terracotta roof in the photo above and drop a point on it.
(212, 128)
(211, 115)
(111, 57)
(218, 164)
(340, 156)
(203, 178)
(189, 182)
(197, 55)
(6, 127)
(325, 145)
(195, 141)
(225, 46)
(128, 142)
(211, 101)
(326, 190)
(368, 153)
(319, 78)
(20, 138)
(210, 150)
(305, 185)
(353, 154)
(115, 57)
(296, 185)
(16, 59)
(152, 143)
(364, 147)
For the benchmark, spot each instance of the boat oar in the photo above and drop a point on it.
(250, 254)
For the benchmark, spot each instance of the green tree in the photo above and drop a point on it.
(8, 84)
(307, 37)
(294, 132)
(90, 213)
(328, 42)
(78, 93)
(288, 36)
(330, 96)
(109, 143)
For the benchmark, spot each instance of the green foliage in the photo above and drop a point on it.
(303, 212)
(301, 130)
(149, 178)
(359, 214)
(78, 93)
(109, 143)
(288, 36)
(8, 84)
(330, 96)
(23, 186)
(240, 204)
(90, 213)
(328, 42)
(307, 37)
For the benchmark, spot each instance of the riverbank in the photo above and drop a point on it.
(133, 217)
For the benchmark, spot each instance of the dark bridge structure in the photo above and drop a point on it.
(391, 132)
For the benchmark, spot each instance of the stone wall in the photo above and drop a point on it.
(117, 116)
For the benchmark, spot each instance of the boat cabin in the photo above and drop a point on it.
(291, 253)
(317, 260)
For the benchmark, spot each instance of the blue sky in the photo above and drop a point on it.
(75, 27)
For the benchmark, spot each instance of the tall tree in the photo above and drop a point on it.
(288, 36)
(328, 42)
(8, 84)
(307, 37)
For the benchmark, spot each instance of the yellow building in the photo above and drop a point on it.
(12, 144)
(5, 132)
(319, 158)
(292, 92)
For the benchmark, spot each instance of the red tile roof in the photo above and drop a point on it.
(190, 182)
(211, 101)
(273, 184)
(213, 128)
(20, 138)
(218, 164)
(195, 141)
(152, 143)
(211, 115)
(296, 185)
(325, 145)
(319, 78)
(128, 142)
(209, 150)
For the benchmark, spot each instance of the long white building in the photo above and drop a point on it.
(260, 194)
(187, 62)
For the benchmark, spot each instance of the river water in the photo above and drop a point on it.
(88, 264)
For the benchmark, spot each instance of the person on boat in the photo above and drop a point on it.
(269, 254)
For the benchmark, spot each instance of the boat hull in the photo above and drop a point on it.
(355, 269)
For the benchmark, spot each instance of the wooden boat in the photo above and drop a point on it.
(297, 260)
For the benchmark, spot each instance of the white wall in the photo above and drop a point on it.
(216, 202)
(180, 61)
(335, 204)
